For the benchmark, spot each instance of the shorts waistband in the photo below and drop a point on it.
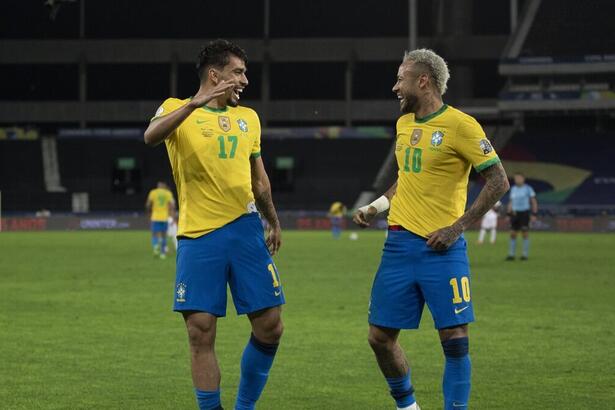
(397, 228)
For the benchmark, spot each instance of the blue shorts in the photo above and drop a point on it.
(410, 274)
(159, 226)
(235, 254)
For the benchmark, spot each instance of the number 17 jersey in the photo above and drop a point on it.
(210, 156)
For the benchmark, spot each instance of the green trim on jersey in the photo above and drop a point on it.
(255, 154)
(432, 115)
(487, 164)
(206, 108)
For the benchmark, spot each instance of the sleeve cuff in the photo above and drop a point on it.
(255, 154)
(487, 164)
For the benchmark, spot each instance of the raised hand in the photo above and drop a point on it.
(203, 97)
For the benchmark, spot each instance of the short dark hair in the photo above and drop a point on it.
(217, 54)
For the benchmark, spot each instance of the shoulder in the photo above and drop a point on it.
(246, 111)
(461, 119)
(405, 119)
(169, 105)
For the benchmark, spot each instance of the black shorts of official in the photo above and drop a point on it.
(520, 221)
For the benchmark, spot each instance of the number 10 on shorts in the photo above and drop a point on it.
(465, 290)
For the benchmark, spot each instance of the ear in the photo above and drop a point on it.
(212, 75)
(423, 80)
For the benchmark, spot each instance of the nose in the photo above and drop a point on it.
(244, 80)
(396, 88)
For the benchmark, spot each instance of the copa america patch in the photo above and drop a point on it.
(485, 145)
(159, 111)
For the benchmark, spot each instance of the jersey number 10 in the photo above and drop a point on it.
(416, 160)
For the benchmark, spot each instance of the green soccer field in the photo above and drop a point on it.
(86, 323)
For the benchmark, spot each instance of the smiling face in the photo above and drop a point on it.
(234, 72)
(411, 84)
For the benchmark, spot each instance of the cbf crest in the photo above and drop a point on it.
(436, 138)
(181, 292)
(224, 123)
(416, 136)
(243, 125)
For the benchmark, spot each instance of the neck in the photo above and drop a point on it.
(429, 105)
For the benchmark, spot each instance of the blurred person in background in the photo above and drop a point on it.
(160, 205)
(489, 223)
(336, 216)
(522, 210)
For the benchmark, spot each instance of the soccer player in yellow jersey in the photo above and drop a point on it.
(336, 215)
(161, 205)
(424, 257)
(214, 149)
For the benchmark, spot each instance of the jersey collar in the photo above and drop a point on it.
(432, 115)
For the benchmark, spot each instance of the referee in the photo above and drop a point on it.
(522, 202)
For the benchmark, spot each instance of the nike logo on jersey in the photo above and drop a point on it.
(201, 121)
(277, 292)
(458, 311)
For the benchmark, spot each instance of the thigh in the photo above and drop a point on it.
(254, 279)
(201, 277)
(444, 279)
(396, 301)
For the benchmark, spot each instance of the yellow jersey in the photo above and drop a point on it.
(160, 199)
(210, 156)
(434, 155)
(337, 209)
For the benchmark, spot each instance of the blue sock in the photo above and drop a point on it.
(512, 247)
(457, 370)
(401, 390)
(208, 400)
(526, 247)
(163, 244)
(255, 365)
(154, 241)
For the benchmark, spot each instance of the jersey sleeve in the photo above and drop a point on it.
(150, 196)
(531, 192)
(256, 147)
(472, 144)
(168, 106)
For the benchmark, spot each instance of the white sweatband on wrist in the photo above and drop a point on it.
(381, 204)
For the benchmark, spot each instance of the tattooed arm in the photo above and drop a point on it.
(495, 187)
(262, 195)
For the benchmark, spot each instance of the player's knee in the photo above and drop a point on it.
(201, 335)
(270, 332)
(379, 340)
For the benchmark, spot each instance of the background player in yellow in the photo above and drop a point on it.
(424, 258)
(336, 216)
(214, 149)
(161, 205)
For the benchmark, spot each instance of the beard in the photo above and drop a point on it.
(232, 102)
(409, 104)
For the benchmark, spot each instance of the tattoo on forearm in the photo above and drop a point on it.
(264, 202)
(496, 186)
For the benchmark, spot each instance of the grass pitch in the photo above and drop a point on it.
(86, 323)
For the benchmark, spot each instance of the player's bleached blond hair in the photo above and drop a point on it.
(435, 65)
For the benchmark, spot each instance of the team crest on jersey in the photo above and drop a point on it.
(436, 138)
(485, 145)
(243, 126)
(181, 292)
(416, 136)
(224, 123)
